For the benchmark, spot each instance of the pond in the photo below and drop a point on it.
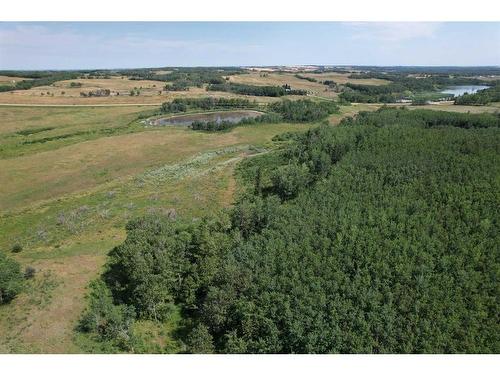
(186, 120)
(460, 90)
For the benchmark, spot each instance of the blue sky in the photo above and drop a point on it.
(80, 45)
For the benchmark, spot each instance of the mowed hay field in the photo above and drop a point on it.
(67, 202)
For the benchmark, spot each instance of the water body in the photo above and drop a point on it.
(186, 120)
(460, 90)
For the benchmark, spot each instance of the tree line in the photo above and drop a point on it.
(207, 103)
(242, 89)
(302, 110)
(40, 80)
(482, 97)
(310, 79)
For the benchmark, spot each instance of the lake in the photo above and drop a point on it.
(186, 120)
(460, 90)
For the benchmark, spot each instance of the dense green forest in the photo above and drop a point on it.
(377, 236)
(303, 110)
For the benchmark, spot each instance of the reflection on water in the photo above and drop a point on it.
(233, 117)
(460, 90)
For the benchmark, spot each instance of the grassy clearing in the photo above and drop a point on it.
(69, 240)
(67, 205)
(351, 110)
(75, 165)
(25, 130)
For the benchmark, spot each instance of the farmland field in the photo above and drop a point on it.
(151, 92)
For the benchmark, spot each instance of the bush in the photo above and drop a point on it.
(288, 180)
(17, 248)
(11, 278)
(200, 341)
(106, 320)
(29, 272)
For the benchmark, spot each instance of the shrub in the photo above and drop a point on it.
(29, 272)
(106, 320)
(288, 180)
(200, 341)
(17, 248)
(10, 278)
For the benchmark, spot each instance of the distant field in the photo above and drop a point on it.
(62, 93)
(342, 78)
(280, 79)
(314, 88)
(151, 92)
(489, 78)
(6, 80)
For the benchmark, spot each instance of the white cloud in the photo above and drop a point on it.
(31, 36)
(46, 45)
(392, 31)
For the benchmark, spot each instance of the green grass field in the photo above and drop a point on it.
(67, 200)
